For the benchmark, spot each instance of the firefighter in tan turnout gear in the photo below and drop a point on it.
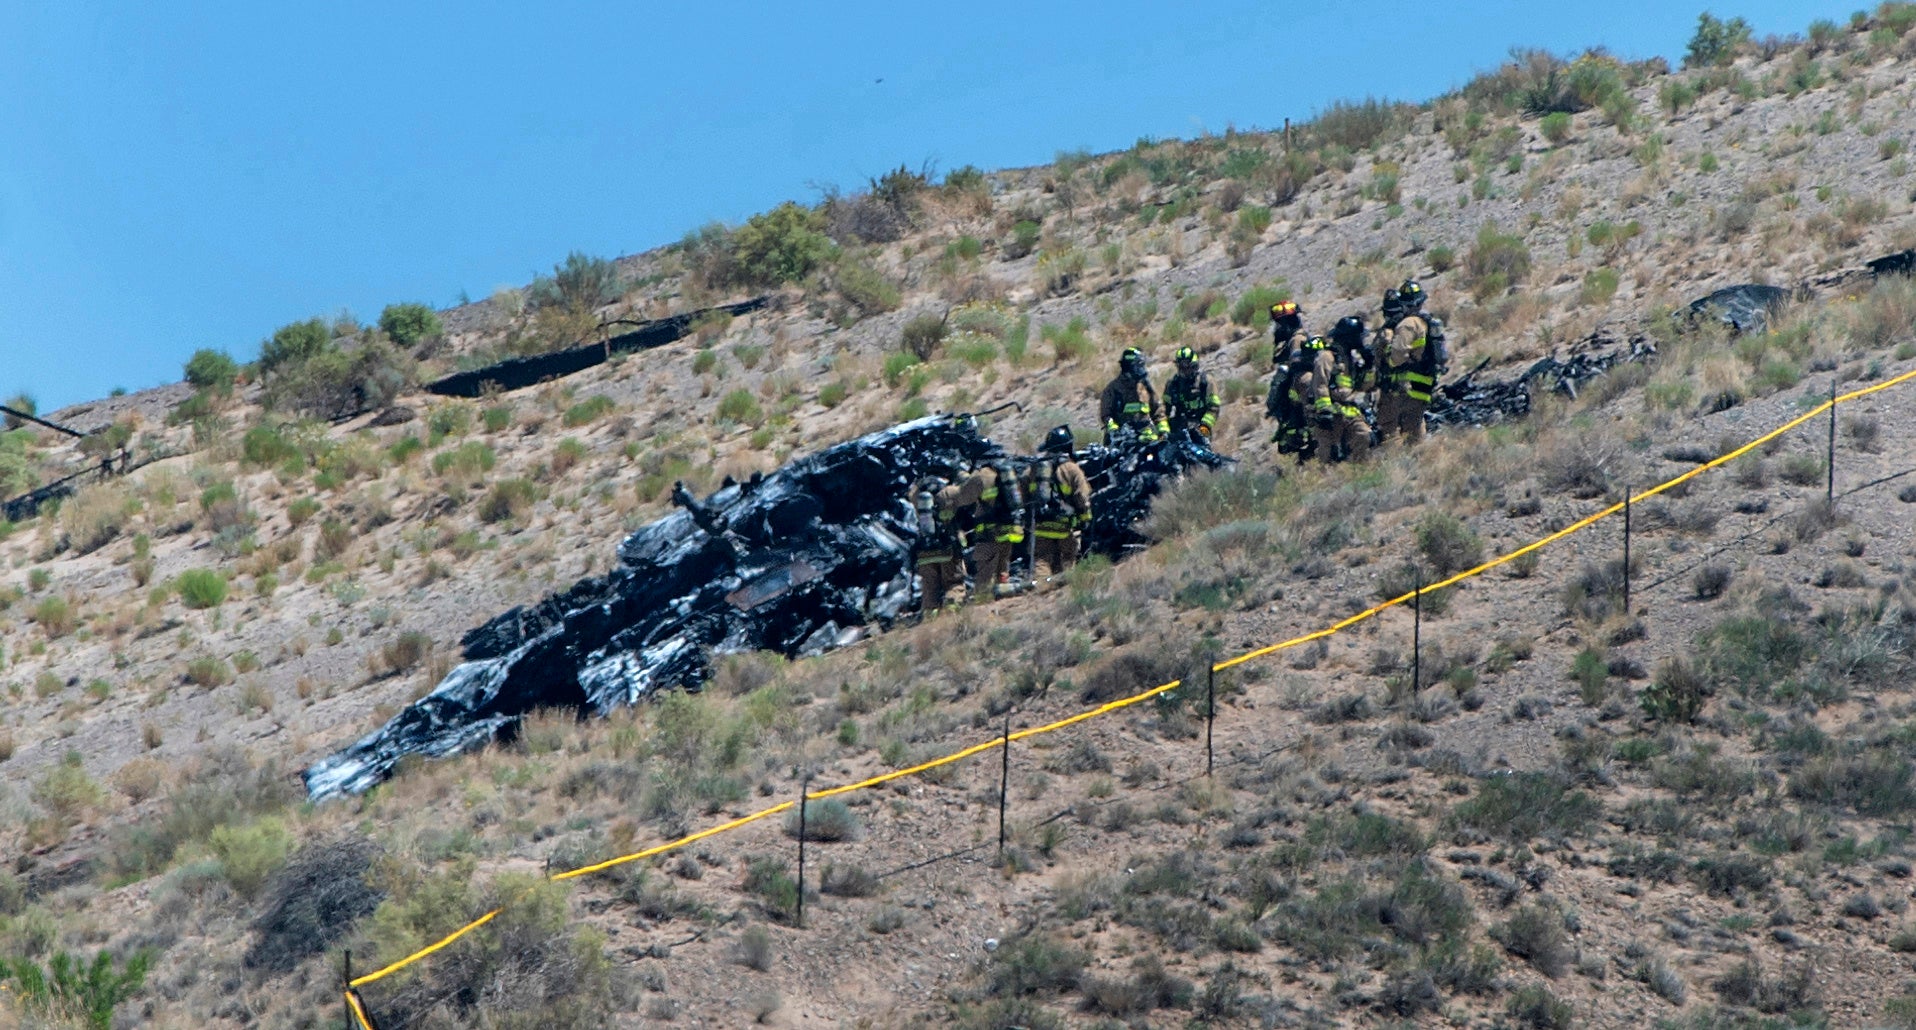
(1060, 500)
(1131, 402)
(1188, 398)
(1327, 390)
(990, 505)
(941, 548)
(1412, 357)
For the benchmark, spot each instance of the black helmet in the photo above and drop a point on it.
(1411, 295)
(1393, 305)
(1316, 343)
(1058, 441)
(1186, 356)
(1349, 330)
(1132, 363)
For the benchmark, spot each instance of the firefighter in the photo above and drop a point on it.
(1412, 357)
(1293, 434)
(991, 505)
(1188, 397)
(1327, 389)
(1131, 402)
(1060, 497)
(941, 547)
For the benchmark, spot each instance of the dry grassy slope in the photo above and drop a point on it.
(415, 554)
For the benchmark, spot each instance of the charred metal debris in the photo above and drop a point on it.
(807, 559)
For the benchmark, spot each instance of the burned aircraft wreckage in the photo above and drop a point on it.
(806, 559)
(820, 552)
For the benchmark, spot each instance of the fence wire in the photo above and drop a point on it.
(1825, 407)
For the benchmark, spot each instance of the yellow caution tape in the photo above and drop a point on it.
(1125, 702)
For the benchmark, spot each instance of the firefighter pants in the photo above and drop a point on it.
(1399, 413)
(993, 559)
(1345, 438)
(1057, 554)
(937, 578)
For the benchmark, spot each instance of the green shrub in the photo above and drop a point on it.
(780, 246)
(1253, 308)
(1447, 544)
(55, 616)
(1534, 1007)
(1496, 262)
(495, 419)
(1025, 235)
(865, 287)
(1535, 934)
(207, 671)
(201, 588)
(65, 789)
(70, 990)
(776, 890)
(1069, 342)
(826, 820)
(451, 419)
(1599, 286)
(588, 411)
(580, 283)
(301, 511)
(1031, 965)
(293, 344)
(1716, 41)
(331, 382)
(1677, 693)
(470, 460)
(252, 853)
(410, 325)
(923, 335)
(213, 370)
(265, 446)
(1525, 805)
(1556, 127)
(509, 499)
(1360, 126)
(740, 406)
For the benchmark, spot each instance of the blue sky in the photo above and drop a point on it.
(187, 175)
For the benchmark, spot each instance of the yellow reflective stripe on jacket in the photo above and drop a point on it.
(1322, 404)
(1045, 533)
(1136, 408)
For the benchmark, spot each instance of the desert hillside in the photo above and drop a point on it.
(1691, 810)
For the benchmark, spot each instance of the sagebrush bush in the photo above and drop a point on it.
(94, 517)
(780, 246)
(580, 283)
(1496, 262)
(826, 820)
(1525, 805)
(213, 370)
(65, 789)
(201, 588)
(510, 499)
(923, 335)
(208, 671)
(741, 405)
(251, 853)
(410, 325)
(1535, 934)
(1447, 544)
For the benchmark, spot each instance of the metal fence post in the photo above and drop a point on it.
(1210, 716)
(1626, 550)
(804, 788)
(1829, 489)
(1417, 636)
(1004, 785)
